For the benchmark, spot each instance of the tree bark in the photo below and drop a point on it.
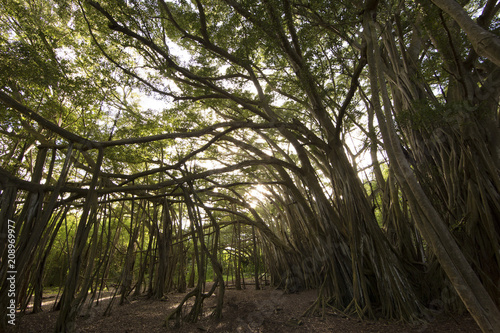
(69, 304)
(429, 222)
(256, 260)
(486, 43)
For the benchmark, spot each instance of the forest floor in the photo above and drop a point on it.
(248, 310)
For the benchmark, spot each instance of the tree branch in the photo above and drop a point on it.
(486, 43)
(24, 110)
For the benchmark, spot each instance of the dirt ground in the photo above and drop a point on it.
(248, 310)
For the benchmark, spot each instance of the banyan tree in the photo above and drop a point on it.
(348, 147)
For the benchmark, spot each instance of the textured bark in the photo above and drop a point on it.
(70, 304)
(256, 260)
(429, 222)
(486, 43)
(128, 266)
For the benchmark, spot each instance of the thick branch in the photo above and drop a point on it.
(486, 43)
(350, 94)
(72, 137)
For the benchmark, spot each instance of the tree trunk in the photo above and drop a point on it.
(69, 304)
(164, 240)
(237, 256)
(430, 224)
(485, 43)
(181, 285)
(128, 267)
(256, 260)
(192, 272)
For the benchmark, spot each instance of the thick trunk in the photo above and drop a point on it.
(69, 304)
(181, 285)
(485, 43)
(237, 257)
(429, 222)
(128, 267)
(164, 240)
(255, 260)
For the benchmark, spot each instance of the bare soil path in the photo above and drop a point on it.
(248, 310)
